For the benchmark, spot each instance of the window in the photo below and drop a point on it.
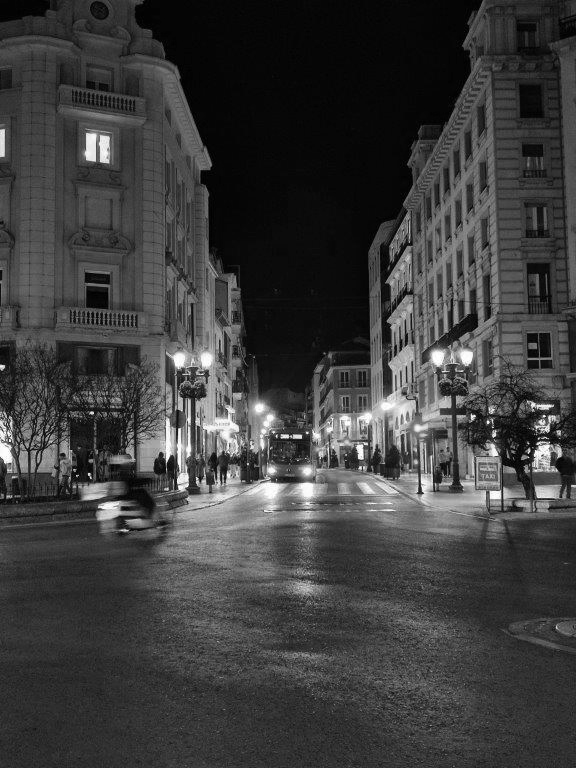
(483, 175)
(428, 207)
(344, 378)
(418, 222)
(440, 326)
(458, 213)
(471, 251)
(430, 294)
(97, 290)
(446, 179)
(5, 78)
(484, 232)
(429, 249)
(486, 290)
(3, 142)
(473, 308)
(481, 119)
(98, 147)
(537, 221)
(469, 197)
(468, 144)
(96, 360)
(439, 285)
(461, 309)
(438, 239)
(531, 103)
(533, 161)
(456, 161)
(362, 403)
(487, 358)
(419, 262)
(1, 281)
(345, 404)
(526, 36)
(539, 297)
(436, 190)
(362, 378)
(448, 274)
(459, 262)
(447, 227)
(98, 78)
(539, 350)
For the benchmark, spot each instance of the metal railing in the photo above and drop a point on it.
(539, 305)
(567, 27)
(539, 232)
(120, 103)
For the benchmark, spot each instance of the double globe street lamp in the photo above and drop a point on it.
(193, 389)
(453, 381)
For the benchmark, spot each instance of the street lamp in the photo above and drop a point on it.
(179, 359)
(193, 389)
(453, 381)
(367, 417)
(329, 430)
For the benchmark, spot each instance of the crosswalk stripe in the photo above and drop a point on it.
(343, 489)
(366, 488)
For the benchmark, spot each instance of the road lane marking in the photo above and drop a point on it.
(343, 489)
(366, 488)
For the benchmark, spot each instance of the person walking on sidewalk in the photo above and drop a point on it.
(449, 462)
(223, 461)
(565, 465)
(173, 470)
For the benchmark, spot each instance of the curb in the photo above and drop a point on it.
(243, 489)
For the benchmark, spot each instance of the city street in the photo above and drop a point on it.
(326, 625)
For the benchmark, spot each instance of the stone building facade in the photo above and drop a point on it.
(489, 253)
(104, 213)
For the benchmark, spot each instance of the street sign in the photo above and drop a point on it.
(488, 473)
(177, 419)
(460, 411)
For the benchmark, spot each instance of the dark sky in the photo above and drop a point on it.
(308, 109)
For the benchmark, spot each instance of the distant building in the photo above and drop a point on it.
(488, 219)
(343, 381)
(380, 375)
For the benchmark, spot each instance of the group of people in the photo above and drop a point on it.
(215, 469)
(445, 461)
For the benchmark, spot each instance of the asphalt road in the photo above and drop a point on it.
(298, 625)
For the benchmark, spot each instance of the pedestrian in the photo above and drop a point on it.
(566, 467)
(160, 468)
(3, 473)
(172, 469)
(64, 467)
(442, 461)
(449, 462)
(223, 461)
(213, 461)
(233, 465)
(376, 459)
(200, 466)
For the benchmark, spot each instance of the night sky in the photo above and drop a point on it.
(308, 109)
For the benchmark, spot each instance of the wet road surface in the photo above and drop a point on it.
(334, 624)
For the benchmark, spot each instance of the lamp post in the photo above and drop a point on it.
(329, 430)
(179, 360)
(386, 407)
(367, 417)
(259, 409)
(453, 381)
(190, 390)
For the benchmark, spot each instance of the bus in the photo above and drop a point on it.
(290, 455)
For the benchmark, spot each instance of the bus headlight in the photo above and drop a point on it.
(271, 470)
(306, 471)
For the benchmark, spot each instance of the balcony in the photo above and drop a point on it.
(239, 388)
(539, 305)
(100, 319)
(87, 103)
(540, 232)
(237, 354)
(237, 319)
(405, 291)
(466, 325)
(222, 360)
(567, 27)
(534, 173)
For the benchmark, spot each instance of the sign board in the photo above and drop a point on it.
(460, 411)
(177, 419)
(488, 473)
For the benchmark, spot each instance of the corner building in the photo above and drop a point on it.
(104, 234)
(490, 266)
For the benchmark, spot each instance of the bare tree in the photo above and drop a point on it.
(128, 409)
(35, 390)
(506, 414)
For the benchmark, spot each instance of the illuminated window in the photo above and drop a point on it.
(3, 143)
(539, 350)
(98, 147)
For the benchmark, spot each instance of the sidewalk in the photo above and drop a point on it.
(220, 493)
(473, 502)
